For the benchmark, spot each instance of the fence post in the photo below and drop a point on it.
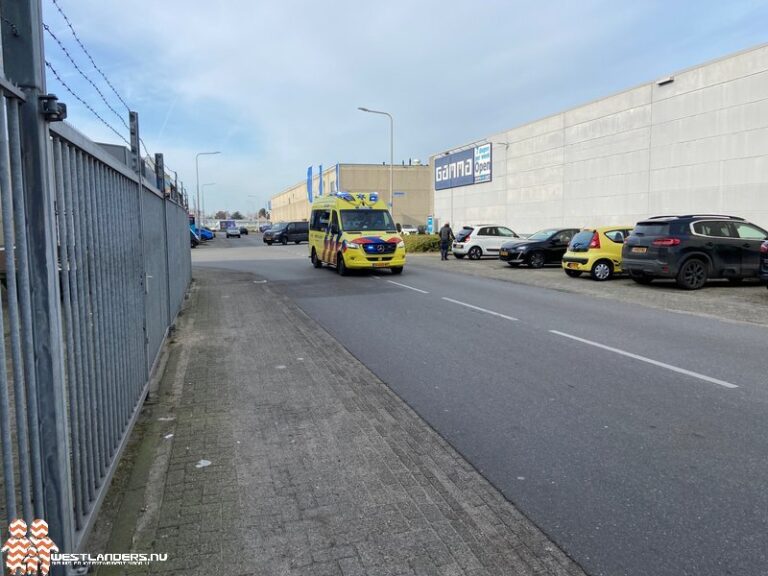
(24, 61)
(138, 165)
(160, 175)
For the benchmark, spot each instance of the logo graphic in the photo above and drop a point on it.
(28, 552)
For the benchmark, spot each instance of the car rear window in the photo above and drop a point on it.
(582, 239)
(463, 233)
(651, 229)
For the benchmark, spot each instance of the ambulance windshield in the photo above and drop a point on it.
(365, 220)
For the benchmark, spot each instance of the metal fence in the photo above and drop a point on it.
(88, 300)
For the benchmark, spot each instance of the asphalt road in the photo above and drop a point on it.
(634, 437)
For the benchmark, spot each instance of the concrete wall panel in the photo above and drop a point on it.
(696, 144)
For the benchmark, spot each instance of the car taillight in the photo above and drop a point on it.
(595, 242)
(764, 248)
(666, 242)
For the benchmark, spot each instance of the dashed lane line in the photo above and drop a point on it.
(409, 287)
(473, 307)
(648, 360)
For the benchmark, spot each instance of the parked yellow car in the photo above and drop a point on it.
(596, 251)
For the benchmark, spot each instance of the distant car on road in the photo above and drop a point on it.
(409, 229)
(284, 232)
(692, 248)
(596, 251)
(244, 230)
(481, 240)
(543, 247)
(234, 231)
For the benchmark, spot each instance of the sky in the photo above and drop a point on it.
(275, 86)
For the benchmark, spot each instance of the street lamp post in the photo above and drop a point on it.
(197, 183)
(391, 152)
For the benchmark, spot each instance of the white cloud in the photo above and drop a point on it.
(275, 85)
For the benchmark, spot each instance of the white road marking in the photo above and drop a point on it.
(648, 360)
(409, 287)
(491, 312)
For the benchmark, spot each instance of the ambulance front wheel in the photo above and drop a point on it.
(341, 267)
(398, 270)
(316, 262)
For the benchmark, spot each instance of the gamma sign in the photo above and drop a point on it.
(471, 166)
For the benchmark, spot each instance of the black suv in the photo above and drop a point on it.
(692, 248)
(543, 247)
(285, 232)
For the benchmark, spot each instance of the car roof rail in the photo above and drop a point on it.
(724, 216)
(712, 216)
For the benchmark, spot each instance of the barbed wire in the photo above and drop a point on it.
(149, 156)
(84, 75)
(99, 70)
(84, 103)
(11, 24)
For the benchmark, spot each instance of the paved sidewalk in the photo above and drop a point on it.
(316, 467)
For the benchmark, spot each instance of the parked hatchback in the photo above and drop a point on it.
(544, 247)
(481, 240)
(596, 251)
(692, 248)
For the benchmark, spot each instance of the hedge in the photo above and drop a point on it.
(422, 242)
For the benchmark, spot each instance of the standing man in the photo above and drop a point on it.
(446, 237)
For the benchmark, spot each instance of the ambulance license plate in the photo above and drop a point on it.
(380, 264)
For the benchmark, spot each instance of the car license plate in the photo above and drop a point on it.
(503, 253)
(639, 250)
(572, 264)
(380, 264)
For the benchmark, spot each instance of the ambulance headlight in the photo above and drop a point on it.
(353, 245)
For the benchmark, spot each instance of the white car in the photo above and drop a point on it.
(233, 231)
(409, 229)
(481, 240)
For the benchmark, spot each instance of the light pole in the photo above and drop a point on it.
(197, 184)
(202, 189)
(391, 152)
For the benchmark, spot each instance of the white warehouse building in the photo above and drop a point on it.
(693, 142)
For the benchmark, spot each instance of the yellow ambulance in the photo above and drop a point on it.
(353, 231)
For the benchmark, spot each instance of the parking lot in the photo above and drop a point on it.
(747, 302)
